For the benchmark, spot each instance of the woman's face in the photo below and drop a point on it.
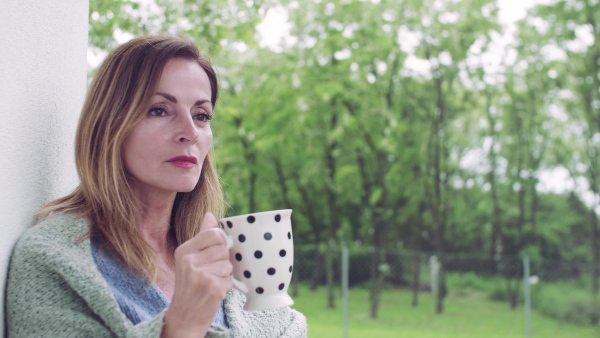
(164, 153)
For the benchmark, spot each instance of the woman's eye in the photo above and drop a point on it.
(203, 117)
(157, 111)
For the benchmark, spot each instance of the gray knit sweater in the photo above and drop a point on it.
(55, 290)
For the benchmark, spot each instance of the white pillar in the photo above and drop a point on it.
(43, 67)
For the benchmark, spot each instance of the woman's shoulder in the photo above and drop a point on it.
(53, 282)
(62, 225)
(56, 232)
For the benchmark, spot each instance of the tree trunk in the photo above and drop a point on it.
(438, 201)
(296, 276)
(288, 205)
(533, 214)
(496, 233)
(252, 192)
(416, 279)
(250, 158)
(332, 204)
(535, 158)
(308, 210)
(594, 224)
(416, 282)
(593, 119)
(377, 280)
(329, 275)
(442, 291)
(512, 290)
(282, 183)
(316, 226)
(317, 272)
(596, 253)
(593, 182)
(378, 216)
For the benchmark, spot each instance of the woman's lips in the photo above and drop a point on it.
(183, 161)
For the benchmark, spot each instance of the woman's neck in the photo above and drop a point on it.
(153, 219)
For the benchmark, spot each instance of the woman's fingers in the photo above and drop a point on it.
(205, 255)
(203, 278)
(218, 254)
(209, 221)
(203, 240)
(208, 236)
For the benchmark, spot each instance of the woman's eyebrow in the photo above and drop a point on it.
(174, 100)
(168, 97)
(201, 102)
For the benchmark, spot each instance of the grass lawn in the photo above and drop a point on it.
(467, 315)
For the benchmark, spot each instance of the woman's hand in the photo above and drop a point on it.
(202, 279)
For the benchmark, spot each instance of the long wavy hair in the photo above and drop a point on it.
(118, 98)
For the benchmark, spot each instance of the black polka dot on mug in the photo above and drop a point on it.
(282, 253)
(289, 235)
(242, 238)
(258, 254)
(229, 224)
(271, 271)
(251, 219)
(290, 268)
(277, 218)
(238, 257)
(247, 274)
(260, 290)
(268, 236)
(281, 286)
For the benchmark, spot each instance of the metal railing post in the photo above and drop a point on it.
(344, 290)
(527, 297)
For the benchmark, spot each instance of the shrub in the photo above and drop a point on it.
(473, 281)
(468, 280)
(498, 293)
(566, 302)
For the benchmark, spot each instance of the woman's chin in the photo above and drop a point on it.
(186, 188)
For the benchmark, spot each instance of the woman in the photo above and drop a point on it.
(133, 251)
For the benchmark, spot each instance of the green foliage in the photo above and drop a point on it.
(337, 125)
(472, 281)
(499, 294)
(566, 302)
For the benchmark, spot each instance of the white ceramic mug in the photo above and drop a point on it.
(262, 254)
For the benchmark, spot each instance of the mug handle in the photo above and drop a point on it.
(236, 283)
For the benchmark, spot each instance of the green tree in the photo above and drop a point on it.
(447, 31)
(337, 125)
(568, 25)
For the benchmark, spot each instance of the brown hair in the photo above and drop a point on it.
(118, 98)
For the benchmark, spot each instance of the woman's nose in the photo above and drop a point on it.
(187, 129)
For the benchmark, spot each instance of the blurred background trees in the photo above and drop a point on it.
(435, 126)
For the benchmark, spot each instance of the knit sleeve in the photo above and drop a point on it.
(150, 328)
(297, 327)
(153, 328)
(55, 290)
(40, 301)
(283, 322)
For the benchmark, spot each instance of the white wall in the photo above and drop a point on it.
(42, 85)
